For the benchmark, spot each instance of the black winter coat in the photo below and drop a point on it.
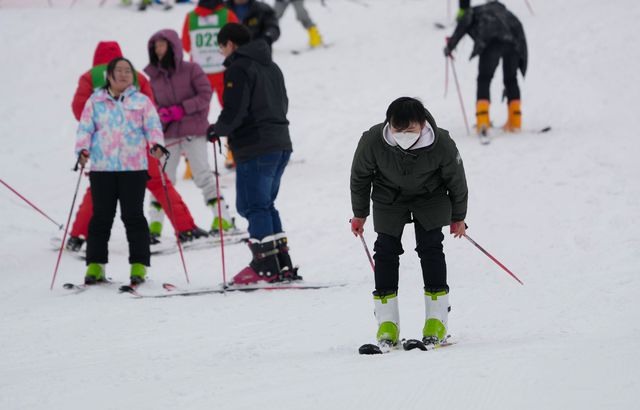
(261, 21)
(427, 183)
(491, 22)
(255, 103)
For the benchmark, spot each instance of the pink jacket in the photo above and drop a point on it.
(117, 134)
(186, 86)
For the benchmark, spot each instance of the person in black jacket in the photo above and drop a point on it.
(259, 17)
(497, 34)
(254, 119)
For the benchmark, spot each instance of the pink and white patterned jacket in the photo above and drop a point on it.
(118, 134)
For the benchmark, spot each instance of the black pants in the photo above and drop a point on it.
(489, 59)
(429, 248)
(107, 188)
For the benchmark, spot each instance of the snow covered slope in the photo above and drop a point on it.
(560, 209)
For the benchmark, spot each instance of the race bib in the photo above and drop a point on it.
(205, 51)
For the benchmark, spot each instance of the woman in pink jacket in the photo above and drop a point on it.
(183, 93)
(117, 125)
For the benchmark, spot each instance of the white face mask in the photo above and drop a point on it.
(405, 139)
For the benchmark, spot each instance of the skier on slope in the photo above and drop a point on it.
(199, 31)
(497, 34)
(96, 78)
(117, 126)
(417, 176)
(258, 17)
(303, 17)
(254, 118)
(183, 93)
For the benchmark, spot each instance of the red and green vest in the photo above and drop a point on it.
(99, 77)
(203, 33)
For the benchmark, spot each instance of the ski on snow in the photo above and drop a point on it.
(406, 344)
(81, 287)
(299, 51)
(171, 290)
(484, 136)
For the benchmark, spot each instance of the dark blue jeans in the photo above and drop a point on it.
(257, 185)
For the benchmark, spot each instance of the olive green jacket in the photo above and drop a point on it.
(427, 183)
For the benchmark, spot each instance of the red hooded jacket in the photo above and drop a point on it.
(105, 52)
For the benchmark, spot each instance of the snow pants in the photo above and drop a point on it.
(489, 60)
(257, 186)
(182, 219)
(301, 12)
(429, 247)
(107, 189)
(217, 84)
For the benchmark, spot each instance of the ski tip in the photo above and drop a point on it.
(128, 289)
(169, 286)
(369, 349)
(545, 129)
(69, 286)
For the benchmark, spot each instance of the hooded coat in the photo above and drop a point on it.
(184, 84)
(491, 22)
(428, 184)
(261, 20)
(104, 53)
(254, 116)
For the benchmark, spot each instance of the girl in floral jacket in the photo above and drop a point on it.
(117, 126)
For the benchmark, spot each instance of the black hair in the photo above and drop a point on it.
(238, 34)
(168, 61)
(111, 67)
(404, 111)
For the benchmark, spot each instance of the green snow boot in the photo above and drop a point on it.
(138, 273)
(95, 274)
(437, 316)
(388, 317)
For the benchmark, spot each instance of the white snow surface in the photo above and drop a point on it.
(559, 209)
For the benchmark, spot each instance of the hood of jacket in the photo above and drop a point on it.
(105, 52)
(172, 37)
(257, 50)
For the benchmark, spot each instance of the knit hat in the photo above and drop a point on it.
(210, 4)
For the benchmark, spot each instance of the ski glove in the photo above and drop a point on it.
(172, 113)
(447, 51)
(357, 225)
(457, 229)
(177, 112)
(211, 134)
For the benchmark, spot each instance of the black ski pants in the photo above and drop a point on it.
(107, 189)
(429, 247)
(489, 60)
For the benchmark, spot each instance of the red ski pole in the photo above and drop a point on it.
(493, 259)
(66, 228)
(170, 208)
(220, 230)
(455, 77)
(60, 226)
(366, 250)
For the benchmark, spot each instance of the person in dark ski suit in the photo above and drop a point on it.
(258, 17)
(254, 118)
(417, 175)
(497, 34)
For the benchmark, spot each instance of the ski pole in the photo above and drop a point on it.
(455, 77)
(529, 7)
(60, 226)
(446, 74)
(66, 228)
(169, 207)
(366, 250)
(493, 259)
(220, 230)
